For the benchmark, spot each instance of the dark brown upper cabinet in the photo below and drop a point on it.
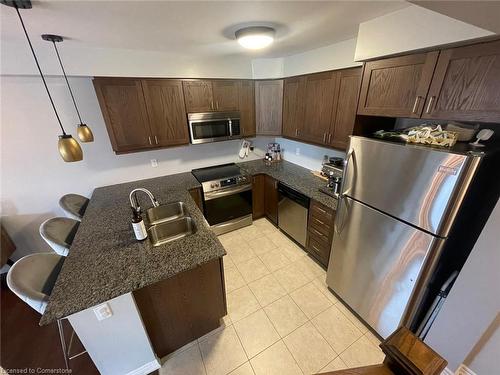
(293, 106)
(124, 110)
(398, 86)
(198, 96)
(247, 108)
(466, 84)
(319, 102)
(344, 115)
(268, 104)
(166, 111)
(211, 95)
(225, 95)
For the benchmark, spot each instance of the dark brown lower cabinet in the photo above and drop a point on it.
(271, 198)
(197, 196)
(178, 310)
(258, 196)
(320, 232)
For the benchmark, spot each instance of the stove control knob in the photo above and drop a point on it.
(212, 185)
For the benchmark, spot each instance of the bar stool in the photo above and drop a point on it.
(59, 233)
(32, 278)
(74, 205)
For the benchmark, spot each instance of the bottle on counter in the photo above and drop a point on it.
(138, 225)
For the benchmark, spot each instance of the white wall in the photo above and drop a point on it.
(33, 175)
(267, 68)
(309, 156)
(335, 56)
(409, 29)
(470, 313)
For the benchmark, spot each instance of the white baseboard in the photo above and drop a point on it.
(464, 370)
(146, 368)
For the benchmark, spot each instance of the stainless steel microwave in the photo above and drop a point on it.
(214, 126)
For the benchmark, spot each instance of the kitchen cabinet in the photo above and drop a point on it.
(268, 106)
(124, 110)
(258, 196)
(319, 101)
(141, 114)
(211, 95)
(320, 232)
(344, 115)
(198, 96)
(247, 108)
(293, 106)
(182, 308)
(271, 198)
(197, 196)
(397, 86)
(466, 84)
(166, 111)
(226, 95)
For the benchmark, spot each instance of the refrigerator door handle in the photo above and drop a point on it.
(340, 218)
(346, 166)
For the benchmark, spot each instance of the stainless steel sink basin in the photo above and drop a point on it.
(172, 230)
(166, 212)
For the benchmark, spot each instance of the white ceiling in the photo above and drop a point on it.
(193, 28)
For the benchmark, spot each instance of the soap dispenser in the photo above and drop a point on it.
(138, 225)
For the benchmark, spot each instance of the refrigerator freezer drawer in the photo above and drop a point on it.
(376, 262)
(417, 184)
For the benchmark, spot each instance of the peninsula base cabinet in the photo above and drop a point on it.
(271, 199)
(183, 308)
(258, 196)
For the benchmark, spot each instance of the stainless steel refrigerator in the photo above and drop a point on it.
(398, 203)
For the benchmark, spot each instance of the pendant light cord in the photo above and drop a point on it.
(40, 70)
(66, 78)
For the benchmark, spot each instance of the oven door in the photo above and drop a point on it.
(228, 206)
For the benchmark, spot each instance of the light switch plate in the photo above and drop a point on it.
(297, 151)
(154, 163)
(103, 311)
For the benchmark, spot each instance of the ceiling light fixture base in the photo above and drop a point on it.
(52, 38)
(20, 4)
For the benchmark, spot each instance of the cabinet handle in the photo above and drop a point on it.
(415, 106)
(329, 137)
(324, 138)
(296, 132)
(212, 104)
(275, 184)
(320, 209)
(316, 249)
(217, 104)
(156, 140)
(429, 106)
(318, 233)
(319, 221)
(149, 138)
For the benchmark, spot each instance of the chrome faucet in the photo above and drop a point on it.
(135, 203)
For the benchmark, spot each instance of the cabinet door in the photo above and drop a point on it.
(225, 95)
(345, 112)
(398, 86)
(247, 108)
(320, 99)
(258, 196)
(166, 111)
(293, 106)
(271, 198)
(466, 84)
(124, 110)
(269, 103)
(198, 96)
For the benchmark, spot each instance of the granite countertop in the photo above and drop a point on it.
(294, 176)
(107, 261)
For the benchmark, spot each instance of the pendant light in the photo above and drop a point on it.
(84, 132)
(69, 148)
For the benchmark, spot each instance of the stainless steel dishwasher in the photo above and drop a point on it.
(293, 211)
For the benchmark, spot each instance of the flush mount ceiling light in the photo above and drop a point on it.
(255, 37)
(69, 148)
(83, 131)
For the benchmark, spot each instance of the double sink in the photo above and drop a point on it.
(169, 222)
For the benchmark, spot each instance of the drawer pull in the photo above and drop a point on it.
(318, 233)
(320, 209)
(316, 249)
(319, 221)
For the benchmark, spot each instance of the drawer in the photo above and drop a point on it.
(322, 213)
(319, 249)
(321, 233)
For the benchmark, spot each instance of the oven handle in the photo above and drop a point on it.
(223, 193)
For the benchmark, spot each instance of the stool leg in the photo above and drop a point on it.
(63, 342)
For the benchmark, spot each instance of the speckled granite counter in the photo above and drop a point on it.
(107, 261)
(293, 175)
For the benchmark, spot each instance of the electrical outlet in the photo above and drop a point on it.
(103, 312)
(154, 163)
(297, 151)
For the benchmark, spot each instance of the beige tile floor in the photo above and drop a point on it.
(281, 318)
